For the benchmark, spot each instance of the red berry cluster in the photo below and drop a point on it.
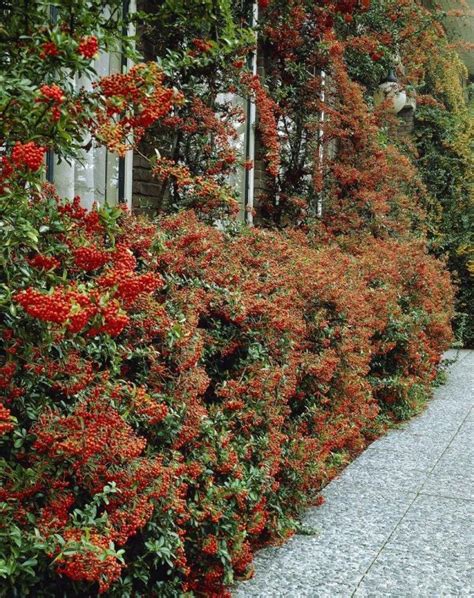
(62, 307)
(83, 312)
(349, 6)
(88, 47)
(53, 308)
(53, 95)
(267, 122)
(146, 406)
(6, 168)
(90, 565)
(210, 545)
(44, 262)
(6, 423)
(202, 47)
(115, 320)
(28, 155)
(122, 275)
(7, 372)
(135, 284)
(73, 209)
(100, 448)
(207, 193)
(68, 375)
(89, 258)
(55, 515)
(137, 99)
(48, 49)
(76, 310)
(242, 558)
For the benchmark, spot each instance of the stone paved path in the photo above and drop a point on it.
(399, 521)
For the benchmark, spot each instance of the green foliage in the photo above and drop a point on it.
(444, 138)
(24, 66)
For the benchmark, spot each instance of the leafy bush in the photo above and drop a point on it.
(173, 395)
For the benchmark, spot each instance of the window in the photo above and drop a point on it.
(244, 180)
(98, 176)
(244, 145)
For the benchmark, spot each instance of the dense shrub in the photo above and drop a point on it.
(173, 395)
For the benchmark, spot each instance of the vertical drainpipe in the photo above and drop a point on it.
(319, 207)
(249, 191)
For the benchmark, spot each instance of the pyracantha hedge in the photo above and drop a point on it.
(173, 395)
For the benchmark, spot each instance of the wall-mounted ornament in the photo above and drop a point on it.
(390, 90)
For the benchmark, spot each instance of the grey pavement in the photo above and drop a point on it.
(398, 521)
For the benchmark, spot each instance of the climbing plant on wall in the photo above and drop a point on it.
(444, 139)
(200, 47)
(421, 185)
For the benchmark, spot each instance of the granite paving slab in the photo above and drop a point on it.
(436, 525)
(399, 520)
(398, 573)
(450, 484)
